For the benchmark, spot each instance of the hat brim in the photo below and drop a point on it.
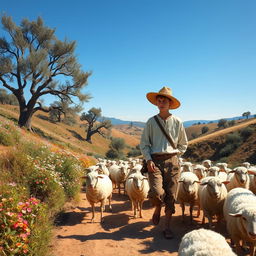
(151, 96)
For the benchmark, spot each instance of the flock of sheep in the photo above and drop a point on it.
(218, 191)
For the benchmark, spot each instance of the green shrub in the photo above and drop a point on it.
(227, 150)
(134, 152)
(9, 134)
(233, 138)
(205, 129)
(70, 172)
(247, 132)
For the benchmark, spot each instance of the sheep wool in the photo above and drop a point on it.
(240, 214)
(203, 242)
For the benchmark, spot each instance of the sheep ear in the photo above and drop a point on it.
(232, 171)
(252, 172)
(197, 181)
(130, 178)
(204, 183)
(100, 176)
(225, 182)
(239, 214)
(84, 177)
(145, 178)
(181, 181)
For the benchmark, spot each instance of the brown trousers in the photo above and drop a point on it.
(163, 183)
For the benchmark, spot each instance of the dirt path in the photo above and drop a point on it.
(120, 234)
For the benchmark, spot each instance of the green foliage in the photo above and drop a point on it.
(247, 132)
(246, 114)
(47, 66)
(9, 135)
(231, 123)
(117, 144)
(222, 123)
(94, 124)
(194, 135)
(233, 141)
(205, 129)
(6, 98)
(35, 182)
(134, 152)
(112, 154)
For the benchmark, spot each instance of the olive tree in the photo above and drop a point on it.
(94, 125)
(33, 61)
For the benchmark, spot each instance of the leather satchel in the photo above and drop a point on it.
(144, 168)
(165, 133)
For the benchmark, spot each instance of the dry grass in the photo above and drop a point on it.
(71, 136)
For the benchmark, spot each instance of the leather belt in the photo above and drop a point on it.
(162, 156)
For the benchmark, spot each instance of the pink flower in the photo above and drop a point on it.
(29, 210)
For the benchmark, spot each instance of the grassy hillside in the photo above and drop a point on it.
(70, 136)
(234, 145)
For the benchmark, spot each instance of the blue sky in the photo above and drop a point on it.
(204, 50)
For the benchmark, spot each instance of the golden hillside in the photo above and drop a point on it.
(71, 136)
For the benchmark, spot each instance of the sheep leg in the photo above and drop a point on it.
(198, 211)
(191, 212)
(183, 212)
(203, 219)
(209, 217)
(109, 201)
(119, 188)
(93, 210)
(140, 208)
(102, 207)
(134, 209)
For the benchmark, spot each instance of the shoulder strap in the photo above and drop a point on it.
(164, 132)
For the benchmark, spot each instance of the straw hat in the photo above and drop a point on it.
(166, 92)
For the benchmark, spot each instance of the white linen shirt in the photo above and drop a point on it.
(154, 141)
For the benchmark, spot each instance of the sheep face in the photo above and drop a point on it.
(241, 175)
(189, 186)
(138, 182)
(213, 171)
(248, 222)
(200, 173)
(214, 187)
(92, 180)
(207, 164)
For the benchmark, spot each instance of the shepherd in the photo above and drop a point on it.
(163, 141)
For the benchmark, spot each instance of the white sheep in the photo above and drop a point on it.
(207, 163)
(204, 242)
(200, 171)
(102, 169)
(213, 171)
(238, 177)
(137, 188)
(186, 167)
(98, 189)
(212, 193)
(118, 175)
(240, 214)
(252, 175)
(187, 192)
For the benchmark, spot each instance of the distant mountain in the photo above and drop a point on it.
(116, 121)
(191, 122)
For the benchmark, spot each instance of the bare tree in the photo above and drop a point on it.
(94, 125)
(35, 61)
(246, 114)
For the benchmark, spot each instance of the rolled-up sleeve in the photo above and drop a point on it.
(145, 143)
(182, 140)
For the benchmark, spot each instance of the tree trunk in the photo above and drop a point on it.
(88, 137)
(25, 118)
